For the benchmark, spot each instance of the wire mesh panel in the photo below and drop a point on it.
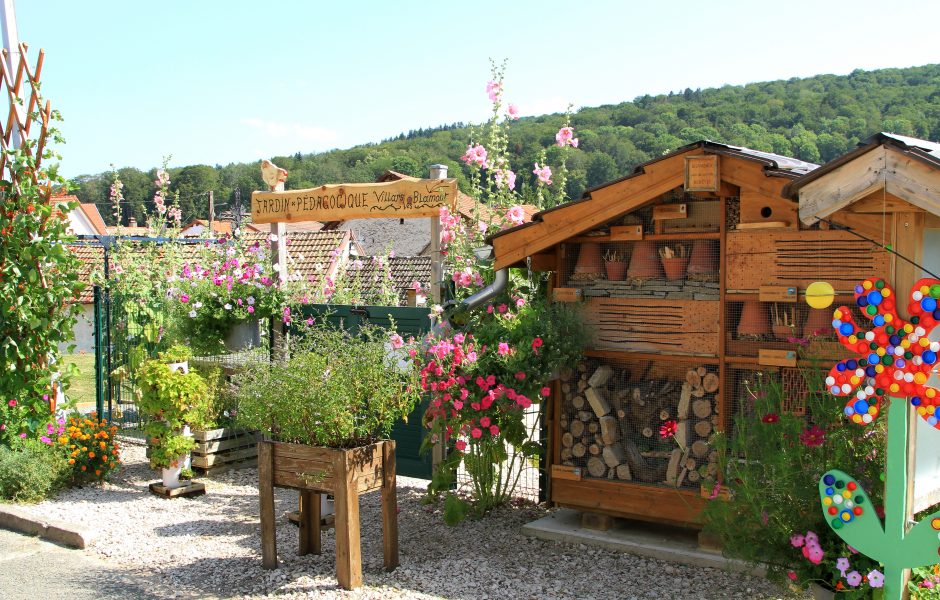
(635, 421)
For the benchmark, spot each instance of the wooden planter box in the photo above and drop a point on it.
(219, 450)
(315, 470)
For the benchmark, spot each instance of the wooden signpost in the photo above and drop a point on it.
(407, 198)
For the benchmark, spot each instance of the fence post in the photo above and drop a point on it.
(100, 380)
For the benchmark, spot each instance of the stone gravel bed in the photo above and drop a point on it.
(209, 547)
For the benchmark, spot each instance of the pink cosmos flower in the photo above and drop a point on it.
(45, 440)
(516, 215)
(544, 173)
(396, 341)
(812, 538)
(513, 111)
(184, 298)
(503, 349)
(461, 445)
(813, 437)
(546, 392)
(476, 432)
(23, 435)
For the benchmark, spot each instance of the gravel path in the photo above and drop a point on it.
(209, 547)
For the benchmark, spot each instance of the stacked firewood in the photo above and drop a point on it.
(610, 426)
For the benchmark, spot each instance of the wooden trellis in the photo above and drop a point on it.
(22, 90)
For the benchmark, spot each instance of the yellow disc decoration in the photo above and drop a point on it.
(820, 294)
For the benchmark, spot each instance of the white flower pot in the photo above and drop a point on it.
(171, 476)
(326, 506)
(182, 367)
(243, 336)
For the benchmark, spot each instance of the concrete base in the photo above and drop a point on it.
(65, 534)
(636, 537)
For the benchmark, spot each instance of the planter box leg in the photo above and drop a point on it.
(266, 502)
(348, 551)
(389, 508)
(309, 523)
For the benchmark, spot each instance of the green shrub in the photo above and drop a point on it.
(31, 472)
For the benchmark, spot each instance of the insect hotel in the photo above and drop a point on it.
(692, 272)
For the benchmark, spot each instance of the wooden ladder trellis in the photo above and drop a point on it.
(18, 96)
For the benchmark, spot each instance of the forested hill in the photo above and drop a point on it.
(814, 119)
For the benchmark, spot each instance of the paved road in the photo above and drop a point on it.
(32, 569)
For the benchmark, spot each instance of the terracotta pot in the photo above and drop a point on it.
(755, 319)
(645, 262)
(782, 332)
(675, 267)
(616, 270)
(818, 320)
(704, 258)
(589, 259)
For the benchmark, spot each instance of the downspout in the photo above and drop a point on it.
(488, 293)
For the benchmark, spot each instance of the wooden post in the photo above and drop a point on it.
(211, 212)
(266, 505)
(389, 507)
(309, 522)
(346, 497)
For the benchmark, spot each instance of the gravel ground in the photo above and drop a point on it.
(209, 547)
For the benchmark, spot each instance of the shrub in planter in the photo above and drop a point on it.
(31, 471)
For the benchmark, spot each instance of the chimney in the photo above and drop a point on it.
(438, 171)
(132, 222)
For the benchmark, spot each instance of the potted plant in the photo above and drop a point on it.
(783, 325)
(325, 410)
(675, 261)
(615, 264)
(174, 398)
(223, 292)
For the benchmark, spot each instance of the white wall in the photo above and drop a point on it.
(84, 330)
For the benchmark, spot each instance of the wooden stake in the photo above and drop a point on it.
(348, 551)
(266, 505)
(389, 506)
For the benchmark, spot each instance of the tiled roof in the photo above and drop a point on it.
(94, 217)
(310, 253)
(92, 259)
(404, 271)
(219, 227)
(289, 227)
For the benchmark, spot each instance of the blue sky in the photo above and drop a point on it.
(216, 81)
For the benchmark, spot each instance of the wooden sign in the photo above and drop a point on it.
(701, 173)
(566, 472)
(626, 233)
(669, 211)
(776, 293)
(563, 294)
(776, 358)
(406, 198)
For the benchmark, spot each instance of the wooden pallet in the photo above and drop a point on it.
(219, 450)
(191, 489)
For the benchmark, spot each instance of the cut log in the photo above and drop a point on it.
(657, 454)
(693, 378)
(610, 429)
(567, 439)
(614, 455)
(578, 402)
(637, 397)
(594, 449)
(698, 391)
(703, 428)
(702, 409)
(682, 433)
(600, 376)
(716, 421)
(576, 428)
(566, 454)
(593, 427)
(566, 388)
(647, 432)
(578, 450)
(581, 385)
(694, 477)
(699, 448)
(598, 401)
(685, 399)
(583, 367)
(585, 415)
(664, 415)
(623, 472)
(596, 467)
(690, 464)
(567, 373)
(713, 456)
(702, 371)
(672, 470)
(621, 414)
(712, 469)
(639, 467)
(710, 383)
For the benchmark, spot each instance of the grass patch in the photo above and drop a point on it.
(82, 387)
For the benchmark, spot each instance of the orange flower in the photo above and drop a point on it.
(71, 461)
(98, 472)
(103, 445)
(84, 468)
(91, 455)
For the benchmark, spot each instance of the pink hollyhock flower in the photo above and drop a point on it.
(520, 376)
(461, 445)
(516, 215)
(544, 173)
(546, 392)
(853, 579)
(505, 177)
(565, 137)
(493, 90)
(396, 341)
(476, 432)
(797, 540)
(482, 226)
(513, 112)
(494, 430)
(485, 422)
(503, 349)
(876, 578)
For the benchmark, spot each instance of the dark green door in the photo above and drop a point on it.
(408, 435)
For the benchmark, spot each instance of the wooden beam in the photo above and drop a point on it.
(750, 176)
(840, 187)
(543, 261)
(880, 201)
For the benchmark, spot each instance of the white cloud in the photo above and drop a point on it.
(295, 131)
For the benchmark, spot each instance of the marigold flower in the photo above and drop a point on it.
(91, 455)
